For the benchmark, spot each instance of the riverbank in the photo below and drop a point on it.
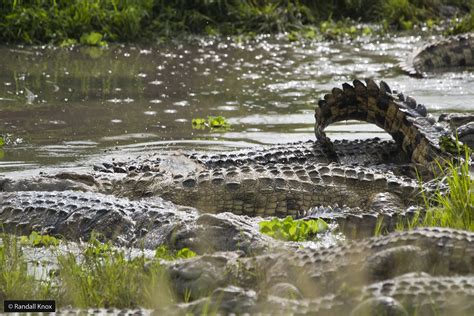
(96, 22)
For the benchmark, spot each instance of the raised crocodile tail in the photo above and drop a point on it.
(454, 51)
(402, 117)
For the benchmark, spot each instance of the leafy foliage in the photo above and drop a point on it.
(455, 208)
(92, 39)
(464, 25)
(164, 253)
(37, 240)
(67, 21)
(289, 229)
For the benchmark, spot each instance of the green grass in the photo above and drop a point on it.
(455, 208)
(100, 276)
(107, 277)
(96, 22)
(289, 229)
(16, 282)
(452, 209)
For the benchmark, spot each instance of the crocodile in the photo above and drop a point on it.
(408, 294)
(75, 215)
(281, 189)
(371, 152)
(426, 267)
(289, 179)
(462, 125)
(454, 51)
(377, 277)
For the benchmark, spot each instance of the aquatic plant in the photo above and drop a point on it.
(289, 229)
(213, 122)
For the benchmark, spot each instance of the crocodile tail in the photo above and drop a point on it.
(402, 117)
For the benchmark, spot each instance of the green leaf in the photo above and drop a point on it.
(2, 141)
(185, 253)
(198, 121)
(292, 230)
(322, 225)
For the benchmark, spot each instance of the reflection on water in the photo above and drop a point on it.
(67, 103)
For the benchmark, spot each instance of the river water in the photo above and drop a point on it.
(63, 106)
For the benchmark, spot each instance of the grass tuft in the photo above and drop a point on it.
(101, 276)
(452, 208)
(17, 281)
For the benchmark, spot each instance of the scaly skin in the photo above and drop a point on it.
(409, 294)
(312, 273)
(462, 125)
(359, 223)
(150, 224)
(369, 152)
(454, 51)
(408, 123)
(275, 189)
(287, 179)
(76, 214)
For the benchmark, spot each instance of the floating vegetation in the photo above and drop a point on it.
(212, 122)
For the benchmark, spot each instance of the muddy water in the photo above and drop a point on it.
(61, 106)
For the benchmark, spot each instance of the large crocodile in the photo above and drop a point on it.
(336, 280)
(75, 215)
(454, 51)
